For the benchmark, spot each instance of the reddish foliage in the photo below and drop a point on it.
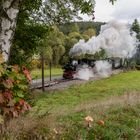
(7, 95)
(27, 73)
(21, 102)
(20, 107)
(25, 106)
(8, 83)
(14, 83)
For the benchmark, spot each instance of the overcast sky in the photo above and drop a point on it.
(124, 10)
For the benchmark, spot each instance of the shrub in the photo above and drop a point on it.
(14, 89)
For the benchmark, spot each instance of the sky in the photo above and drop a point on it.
(123, 10)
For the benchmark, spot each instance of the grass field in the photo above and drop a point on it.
(36, 73)
(113, 103)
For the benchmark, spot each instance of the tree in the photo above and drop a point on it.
(82, 25)
(51, 11)
(54, 46)
(136, 28)
(74, 27)
(9, 14)
(90, 32)
(70, 40)
(112, 1)
(25, 43)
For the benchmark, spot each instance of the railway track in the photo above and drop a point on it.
(49, 83)
(60, 84)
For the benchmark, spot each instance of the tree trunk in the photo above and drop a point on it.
(8, 14)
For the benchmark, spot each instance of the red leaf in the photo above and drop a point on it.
(7, 95)
(21, 102)
(27, 74)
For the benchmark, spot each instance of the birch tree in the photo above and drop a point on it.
(8, 14)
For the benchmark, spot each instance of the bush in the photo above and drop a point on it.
(14, 90)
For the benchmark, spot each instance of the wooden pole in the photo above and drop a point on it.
(42, 63)
(50, 71)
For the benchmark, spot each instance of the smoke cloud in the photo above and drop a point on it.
(84, 72)
(115, 38)
(103, 68)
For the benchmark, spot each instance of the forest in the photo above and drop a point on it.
(56, 52)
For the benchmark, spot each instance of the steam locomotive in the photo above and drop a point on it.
(70, 69)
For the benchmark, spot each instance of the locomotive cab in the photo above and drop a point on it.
(70, 69)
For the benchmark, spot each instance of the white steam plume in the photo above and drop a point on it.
(114, 38)
(103, 68)
(84, 72)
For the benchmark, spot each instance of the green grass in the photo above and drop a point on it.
(115, 100)
(36, 73)
(121, 123)
(89, 92)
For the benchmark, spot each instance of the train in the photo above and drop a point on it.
(70, 69)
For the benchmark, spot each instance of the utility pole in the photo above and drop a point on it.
(50, 71)
(42, 63)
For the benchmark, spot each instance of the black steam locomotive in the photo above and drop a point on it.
(71, 67)
(69, 70)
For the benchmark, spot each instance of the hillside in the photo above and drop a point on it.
(83, 26)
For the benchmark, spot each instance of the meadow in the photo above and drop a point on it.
(113, 104)
(36, 73)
